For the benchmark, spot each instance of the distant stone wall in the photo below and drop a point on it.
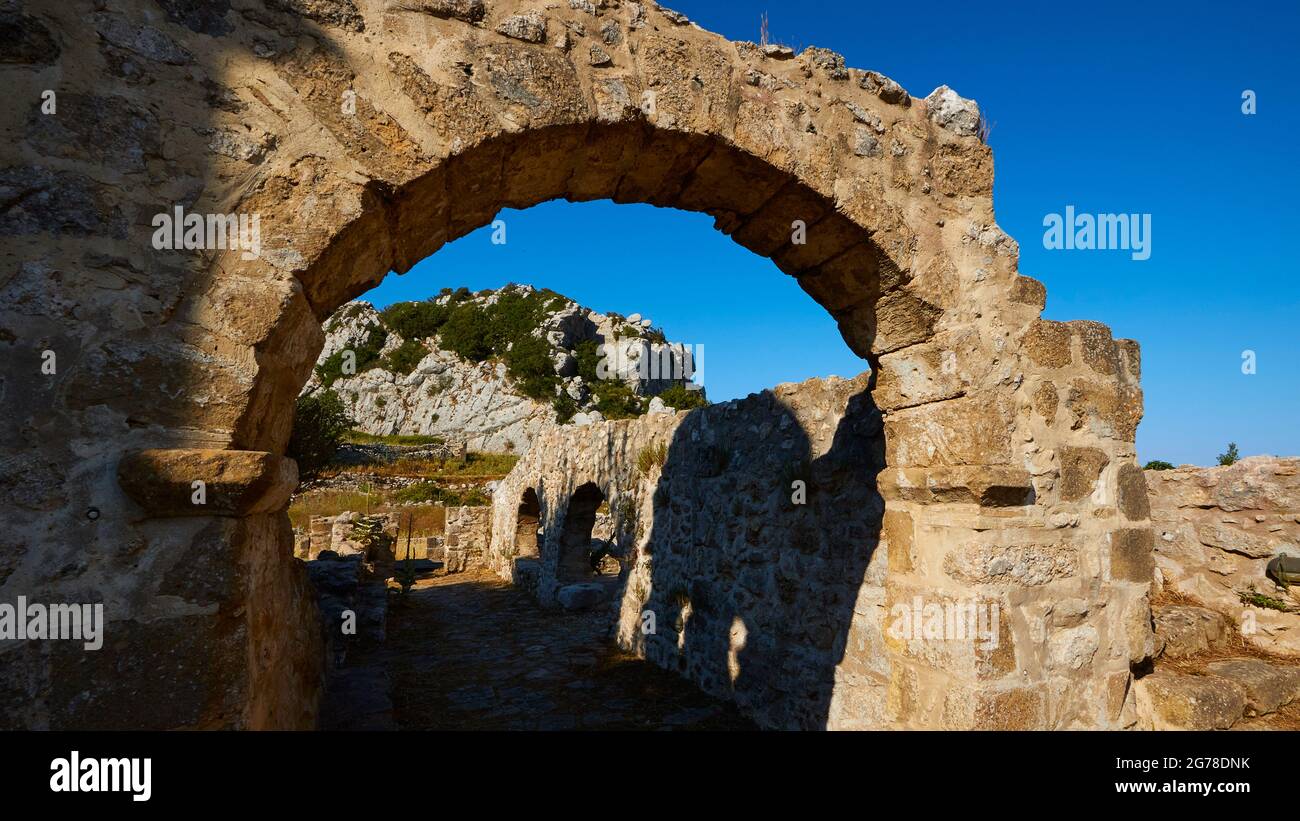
(1217, 528)
(463, 543)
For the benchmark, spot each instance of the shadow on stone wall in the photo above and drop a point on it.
(754, 595)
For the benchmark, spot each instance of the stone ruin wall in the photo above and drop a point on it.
(784, 608)
(1008, 471)
(461, 545)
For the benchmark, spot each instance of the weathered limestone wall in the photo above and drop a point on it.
(364, 134)
(755, 598)
(786, 608)
(1217, 529)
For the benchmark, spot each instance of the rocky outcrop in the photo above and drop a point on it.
(1218, 528)
(1217, 531)
(479, 404)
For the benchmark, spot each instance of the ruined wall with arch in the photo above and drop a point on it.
(365, 134)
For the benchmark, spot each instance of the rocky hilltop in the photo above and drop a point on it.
(493, 369)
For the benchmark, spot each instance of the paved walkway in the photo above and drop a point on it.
(470, 652)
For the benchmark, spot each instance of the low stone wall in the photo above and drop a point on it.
(1217, 528)
(334, 533)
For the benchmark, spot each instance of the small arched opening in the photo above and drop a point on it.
(576, 543)
(527, 526)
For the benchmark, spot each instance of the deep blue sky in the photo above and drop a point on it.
(1110, 107)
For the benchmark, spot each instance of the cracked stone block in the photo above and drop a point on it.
(1174, 701)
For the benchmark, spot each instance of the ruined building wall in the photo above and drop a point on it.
(782, 601)
(365, 134)
(755, 597)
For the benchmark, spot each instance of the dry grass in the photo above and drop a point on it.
(428, 520)
(331, 503)
(651, 457)
(1286, 718)
(474, 467)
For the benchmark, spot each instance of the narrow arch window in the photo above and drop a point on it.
(528, 526)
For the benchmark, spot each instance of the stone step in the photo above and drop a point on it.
(583, 596)
(1268, 686)
(1229, 691)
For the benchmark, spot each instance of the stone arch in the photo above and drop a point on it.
(528, 523)
(574, 543)
(836, 259)
(365, 136)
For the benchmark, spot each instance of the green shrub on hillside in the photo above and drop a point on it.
(415, 320)
(466, 333)
(403, 359)
(680, 397)
(615, 400)
(514, 315)
(1158, 464)
(588, 354)
(320, 422)
(505, 329)
(530, 365)
(367, 356)
(565, 408)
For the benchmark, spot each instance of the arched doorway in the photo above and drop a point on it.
(528, 526)
(574, 563)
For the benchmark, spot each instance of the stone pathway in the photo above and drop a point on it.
(470, 652)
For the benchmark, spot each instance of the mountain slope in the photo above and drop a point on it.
(495, 368)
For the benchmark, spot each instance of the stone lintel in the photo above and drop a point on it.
(985, 485)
